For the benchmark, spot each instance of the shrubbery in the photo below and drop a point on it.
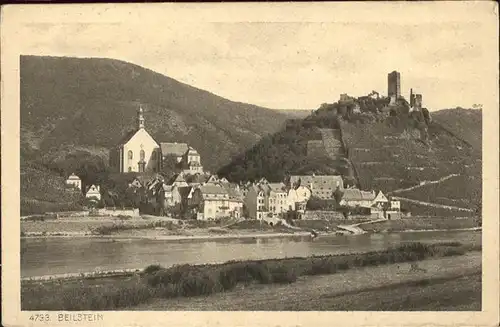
(188, 280)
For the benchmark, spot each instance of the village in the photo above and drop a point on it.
(193, 193)
(232, 158)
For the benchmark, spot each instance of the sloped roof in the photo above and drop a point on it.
(212, 189)
(92, 187)
(318, 181)
(176, 178)
(277, 187)
(127, 137)
(167, 188)
(192, 151)
(352, 194)
(233, 191)
(177, 149)
(197, 178)
(73, 177)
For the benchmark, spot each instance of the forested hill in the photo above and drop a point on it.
(73, 110)
(385, 148)
(465, 123)
(88, 104)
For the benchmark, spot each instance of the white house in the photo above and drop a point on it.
(93, 191)
(74, 181)
(395, 205)
(321, 186)
(298, 197)
(278, 198)
(211, 201)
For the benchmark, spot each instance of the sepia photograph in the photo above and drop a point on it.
(171, 159)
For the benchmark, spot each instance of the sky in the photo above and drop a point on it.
(289, 59)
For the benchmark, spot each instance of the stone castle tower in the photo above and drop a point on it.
(394, 85)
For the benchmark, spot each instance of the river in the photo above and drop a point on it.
(74, 255)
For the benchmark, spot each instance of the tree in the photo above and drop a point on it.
(337, 195)
(170, 166)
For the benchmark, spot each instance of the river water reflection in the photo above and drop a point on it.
(73, 255)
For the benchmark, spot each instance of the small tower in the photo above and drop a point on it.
(140, 118)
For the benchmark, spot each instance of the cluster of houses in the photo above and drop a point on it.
(195, 193)
(204, 196)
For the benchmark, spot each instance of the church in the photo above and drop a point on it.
(139, 152)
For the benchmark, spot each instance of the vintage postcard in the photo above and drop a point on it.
(250, 164)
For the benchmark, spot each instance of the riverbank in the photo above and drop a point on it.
(170, 230)
(421, 224)
(108, 293)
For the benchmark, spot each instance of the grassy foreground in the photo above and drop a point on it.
(444, 284)
(187, 280)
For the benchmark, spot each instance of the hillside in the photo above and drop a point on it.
(91, 103)
(464, 123)
(295, 113)
(401, 153)
(73, 110)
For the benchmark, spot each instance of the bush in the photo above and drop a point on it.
(152, 269)
(283, 275)
(187, 280)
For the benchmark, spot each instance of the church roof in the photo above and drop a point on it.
(178, 149)
(127, 137)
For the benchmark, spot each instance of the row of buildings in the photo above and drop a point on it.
(206, 197)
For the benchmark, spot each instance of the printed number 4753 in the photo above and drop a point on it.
(40, 317)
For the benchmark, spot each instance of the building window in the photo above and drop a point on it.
(142, 154)
(153, 155)
(130, 155)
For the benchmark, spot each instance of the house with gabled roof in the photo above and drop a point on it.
(178, 150)
(178, 180)
(278, 198)
(356, 198)
(93, 192)
(235, 199)
(74, 181)
(211, 202)
(321, 186)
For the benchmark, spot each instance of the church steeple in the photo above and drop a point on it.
(140, 118)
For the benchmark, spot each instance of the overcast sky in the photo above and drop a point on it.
(286, 63)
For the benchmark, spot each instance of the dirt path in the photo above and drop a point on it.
(355, 229)
(424, 183)
(430, 204)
